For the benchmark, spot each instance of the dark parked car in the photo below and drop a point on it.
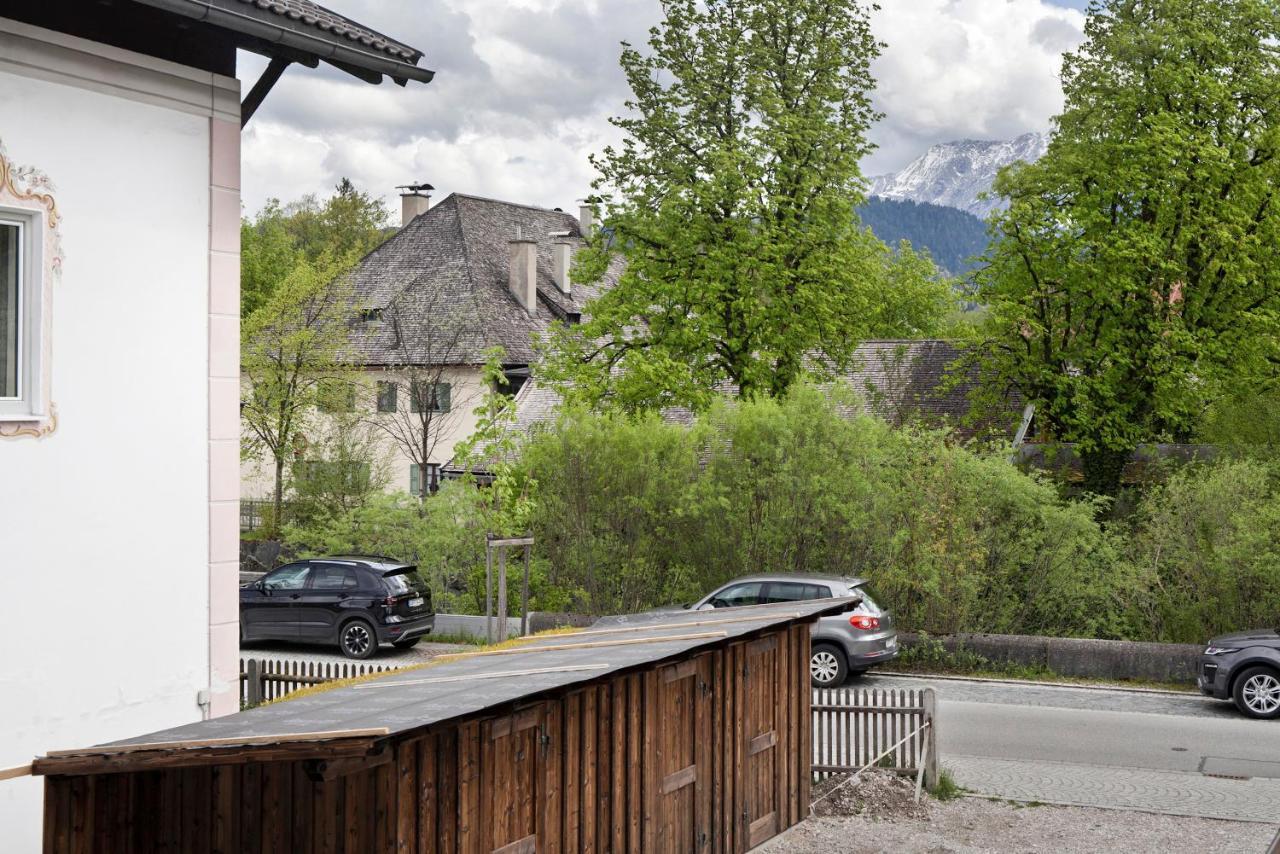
(1244, 668)
(354, 601)
(842, 645)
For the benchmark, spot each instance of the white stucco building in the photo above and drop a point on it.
(119, 361)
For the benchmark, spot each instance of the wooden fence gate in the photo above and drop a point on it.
(761, 748)
(854, 728)
(681, 732)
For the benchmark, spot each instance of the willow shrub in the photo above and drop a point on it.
(639, 513)
(1205, 548)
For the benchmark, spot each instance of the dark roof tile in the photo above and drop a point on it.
(442, 285)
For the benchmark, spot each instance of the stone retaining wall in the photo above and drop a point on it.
(1098, 659)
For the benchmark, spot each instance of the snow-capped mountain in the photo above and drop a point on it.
(955, 173)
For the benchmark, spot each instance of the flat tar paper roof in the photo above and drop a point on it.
(401, 701)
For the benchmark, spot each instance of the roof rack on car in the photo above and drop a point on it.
(383, 558)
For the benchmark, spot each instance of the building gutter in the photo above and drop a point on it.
(350, 59)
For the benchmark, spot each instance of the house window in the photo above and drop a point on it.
(431, 397)
(10, 307)
(20, 306)
(387, 396)
(415, 478)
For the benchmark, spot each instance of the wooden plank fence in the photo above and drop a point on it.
(852, 728)
(263, 679)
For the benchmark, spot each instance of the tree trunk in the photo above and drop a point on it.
(277, 504)
(1104, 470)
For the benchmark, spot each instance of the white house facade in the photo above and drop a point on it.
(119, 380)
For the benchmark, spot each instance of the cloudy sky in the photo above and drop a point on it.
(524, 88)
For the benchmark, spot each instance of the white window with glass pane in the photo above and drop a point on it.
(21, 268)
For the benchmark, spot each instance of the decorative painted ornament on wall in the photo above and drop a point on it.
(27, 189)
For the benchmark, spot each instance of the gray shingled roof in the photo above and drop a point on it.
(313, 15)
(441, 284)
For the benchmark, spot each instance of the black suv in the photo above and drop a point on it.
(1244, 668)
(354, 601)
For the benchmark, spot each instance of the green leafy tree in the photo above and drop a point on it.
(1136, 273)
(349, 223)
(291, 361)
(733, 203)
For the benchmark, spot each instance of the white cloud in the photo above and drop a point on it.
(956, 69)
(523, 92)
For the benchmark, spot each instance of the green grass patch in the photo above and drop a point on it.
(931, 657)
(455, 637)
(947, 789)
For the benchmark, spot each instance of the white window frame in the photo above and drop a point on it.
(29, 404)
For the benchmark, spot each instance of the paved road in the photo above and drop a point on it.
(1104, 748)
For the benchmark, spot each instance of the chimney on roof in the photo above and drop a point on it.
(522, 277)
(586, 220)
(413, 201)
(561, 257)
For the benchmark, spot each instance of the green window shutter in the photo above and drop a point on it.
(415, 396)
(443, 393)
(415, 479)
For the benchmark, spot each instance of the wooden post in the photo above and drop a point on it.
(524, 595)
(488, 589)
(931, 738)
(253, 674)
(502, 593)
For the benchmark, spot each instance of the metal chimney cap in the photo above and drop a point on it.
(415, 189)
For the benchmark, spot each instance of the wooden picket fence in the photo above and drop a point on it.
(263, 679)
(893, 729)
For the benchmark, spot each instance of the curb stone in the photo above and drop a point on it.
(1038, 683)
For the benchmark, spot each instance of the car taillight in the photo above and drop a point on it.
(865, 622)
(390, 600)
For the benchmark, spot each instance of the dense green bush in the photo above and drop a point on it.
(633, 514)
(1206, 551)
(443, 535)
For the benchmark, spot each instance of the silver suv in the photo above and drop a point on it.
(844, 644)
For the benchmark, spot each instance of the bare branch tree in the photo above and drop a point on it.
(421, 394)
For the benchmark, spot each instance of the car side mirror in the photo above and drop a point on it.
(262, 587)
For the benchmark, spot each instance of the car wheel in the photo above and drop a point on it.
(357, 640)
(1257, 693)
(827, 667)
(408, 643)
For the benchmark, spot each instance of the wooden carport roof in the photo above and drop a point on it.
(347, 723)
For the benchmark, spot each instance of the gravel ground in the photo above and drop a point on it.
(890, 822)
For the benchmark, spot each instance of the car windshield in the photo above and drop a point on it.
(868, 604)
(404, 580)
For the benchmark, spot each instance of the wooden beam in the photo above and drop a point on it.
(258, 93)
(682, 625)
(15, 771)
(231, 741)
(152, 760)
(467, 677)
(511, 541)
(519, 650)
(325, 770)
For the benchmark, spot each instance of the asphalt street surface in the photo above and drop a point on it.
(1160, 752)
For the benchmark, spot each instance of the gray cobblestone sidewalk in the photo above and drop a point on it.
(1167, 792)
